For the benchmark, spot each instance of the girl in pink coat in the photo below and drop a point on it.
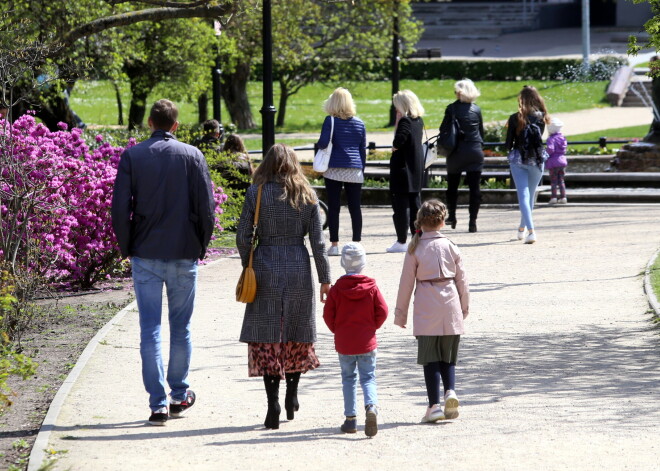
(434, 270)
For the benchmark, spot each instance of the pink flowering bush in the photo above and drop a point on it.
(56, 193)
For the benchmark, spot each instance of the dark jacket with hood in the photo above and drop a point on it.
(354, 310)
(468, 156)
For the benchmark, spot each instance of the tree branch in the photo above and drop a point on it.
(163, 3)
(151, 14)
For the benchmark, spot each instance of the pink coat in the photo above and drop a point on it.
(439, 306)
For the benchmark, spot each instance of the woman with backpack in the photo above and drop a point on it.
(468, 155)
(527, 154)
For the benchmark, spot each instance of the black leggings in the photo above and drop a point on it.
(405, 206)
(473, 181)
(433, 372)
(353, 196)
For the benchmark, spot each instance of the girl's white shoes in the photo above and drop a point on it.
(530, 237)
(451, 405)
(433, 414)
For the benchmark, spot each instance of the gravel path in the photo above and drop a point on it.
(559, 368)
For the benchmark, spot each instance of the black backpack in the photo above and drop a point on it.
(532, 144)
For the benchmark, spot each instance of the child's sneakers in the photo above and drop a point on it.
(349, 425)
(451, 404)
(158, 417)
(177, 408)
(552, 201)
(371, 422)
(433, 414)
(562, 201)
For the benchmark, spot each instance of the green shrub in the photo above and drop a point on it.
(11, 361)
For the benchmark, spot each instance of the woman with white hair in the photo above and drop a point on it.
(468, 156)
(347, 160)
(406, 166)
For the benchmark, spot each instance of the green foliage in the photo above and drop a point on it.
(652, 27)
(11, 361)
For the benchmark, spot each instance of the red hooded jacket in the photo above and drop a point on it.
(354, 310)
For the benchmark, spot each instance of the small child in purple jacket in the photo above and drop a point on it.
(556, 163)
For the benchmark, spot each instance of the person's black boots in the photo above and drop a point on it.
(291, 399)
(272, 384)
(451, 221)
(472, 226)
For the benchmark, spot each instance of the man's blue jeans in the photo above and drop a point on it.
(527, 179)
(180, 279)
(350, 366)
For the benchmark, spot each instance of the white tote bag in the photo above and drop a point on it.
(430, 149)
(322, 157)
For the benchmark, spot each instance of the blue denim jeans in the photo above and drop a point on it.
(527, 179)
(180, 280)
(365, 364)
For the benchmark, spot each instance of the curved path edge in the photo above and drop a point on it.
(38, 453)
(648, 287)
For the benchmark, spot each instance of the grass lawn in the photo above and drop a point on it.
(95, 101)
(630, 132)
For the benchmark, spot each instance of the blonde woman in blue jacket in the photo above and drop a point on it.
(347, 161)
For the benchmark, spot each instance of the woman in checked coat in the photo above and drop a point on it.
(279, 326)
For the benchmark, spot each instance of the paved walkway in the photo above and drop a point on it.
(558, 371)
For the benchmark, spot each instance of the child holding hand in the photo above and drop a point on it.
(354, 310)
(433, 263)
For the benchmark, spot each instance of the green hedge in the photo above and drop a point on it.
(500, 70)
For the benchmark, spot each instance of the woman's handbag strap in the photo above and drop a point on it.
(254, 226)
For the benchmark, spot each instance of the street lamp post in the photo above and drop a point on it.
(217, 94)
(268, 109)
(586, 46)
(396, 60)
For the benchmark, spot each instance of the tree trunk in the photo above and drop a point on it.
(203, 107)
(234, 91)
(281, 111)
(137, 110)
(120, 106)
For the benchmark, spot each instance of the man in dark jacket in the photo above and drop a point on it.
(163, 214)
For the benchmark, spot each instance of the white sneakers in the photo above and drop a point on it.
(451, 405)
(433, 414)
(333, 251)
(562, 201)
(397, 247)
(552, 201)
(558, 201)
(530, 237)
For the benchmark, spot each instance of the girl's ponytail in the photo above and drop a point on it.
(415, 240)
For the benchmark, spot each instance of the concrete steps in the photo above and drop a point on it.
(642, 84)
(482, 20)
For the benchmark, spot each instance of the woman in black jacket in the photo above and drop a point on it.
(468, 156)
(406, 166)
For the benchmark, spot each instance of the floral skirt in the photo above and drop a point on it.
(275, 359)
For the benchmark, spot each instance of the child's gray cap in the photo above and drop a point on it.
(353, 258)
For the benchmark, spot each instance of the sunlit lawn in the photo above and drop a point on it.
(95, 101)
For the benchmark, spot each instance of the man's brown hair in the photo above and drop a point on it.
(164, 114)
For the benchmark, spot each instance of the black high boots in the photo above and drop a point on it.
(272, 384)
(291, 399)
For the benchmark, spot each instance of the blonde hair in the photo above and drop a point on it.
(467, 91)
(529, 102)
(340, 104)
(431, 214)
(407, 103)
(281, 165)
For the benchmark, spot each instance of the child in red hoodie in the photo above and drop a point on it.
(354, 310)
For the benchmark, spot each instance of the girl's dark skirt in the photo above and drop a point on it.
(432, 348)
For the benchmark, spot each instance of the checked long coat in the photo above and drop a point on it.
(284, 308)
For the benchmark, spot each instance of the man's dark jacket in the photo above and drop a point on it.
(163, 205)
